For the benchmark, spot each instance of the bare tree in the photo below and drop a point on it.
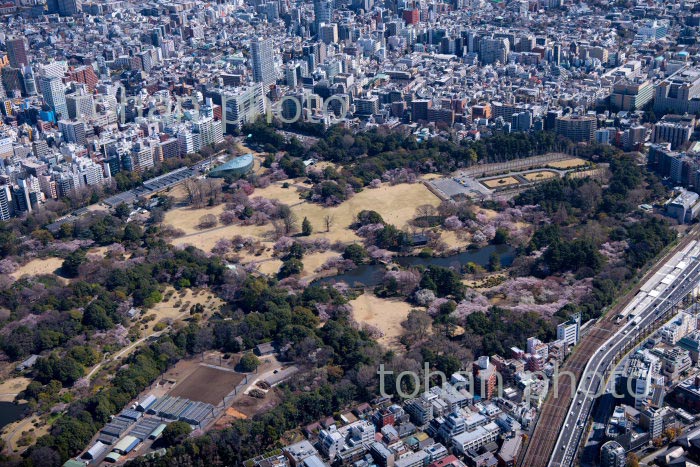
(192, 191)
(214, 189)
(328, 220)
(290, 222)
(288, 218)
(201, 193)
(279, 230)
(426, 210)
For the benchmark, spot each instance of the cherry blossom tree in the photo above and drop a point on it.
(8, 266)
(406, 280)
(452, 223)
(424, 297)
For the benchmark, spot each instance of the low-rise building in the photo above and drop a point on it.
(476, 438)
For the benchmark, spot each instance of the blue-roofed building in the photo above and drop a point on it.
(238, 166)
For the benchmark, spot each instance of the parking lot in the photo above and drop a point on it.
(153, 185)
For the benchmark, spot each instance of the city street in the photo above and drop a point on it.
(596, 372)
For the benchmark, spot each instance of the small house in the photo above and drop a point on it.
(74, 463)
(28, 363)
(267, 348)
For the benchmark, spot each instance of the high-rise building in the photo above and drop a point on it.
(55, 69)
(612, 455)
(679, 93)
(263, 61)
(156, 37)
(640, 373)
(139, 159)
(73, 132)
(80, 106)
(240, 106)
(207, 128)
(556, 54)
(578, 128)
(28, 81)
(367, 105)
(674, 129)
(569, 331)
(411, 16)
(653, 421)
(652, 30)
(186, 142)
(521, 121)
(69, 7)
(523, 8)
(632, 95)
(291, 74)
(6, 208)
(494, 49)
(54, 94)
(92, 173)
(52, 6)
(328, 33)
(323, 12)
(17, 52)
(12, 81)
(85, 75)
(21, 198)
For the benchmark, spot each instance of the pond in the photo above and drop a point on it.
(10, 412)
(370, 275)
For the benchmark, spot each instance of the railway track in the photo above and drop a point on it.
(556, 406)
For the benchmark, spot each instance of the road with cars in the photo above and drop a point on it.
(597, 371)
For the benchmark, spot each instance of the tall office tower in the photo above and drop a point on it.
(28, 81)
(69, 7)
(6, 207)
(54, 94)
(73, 132)
(156, 37)
(12, 80)
(323, 12)
(80, 106)
(52, 6)
(17, 52)
(556, 54)
(328, 33)
(291, 74)
(523, 7)
(492, 50)
(263, 61)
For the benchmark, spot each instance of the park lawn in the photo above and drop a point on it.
(168, 312)
(568, 163)
(11, 387)
(39, 266)
(499, 182)
(396, 204)
(382, 313)
(539, 175)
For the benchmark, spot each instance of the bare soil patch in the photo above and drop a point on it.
(207, 384)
